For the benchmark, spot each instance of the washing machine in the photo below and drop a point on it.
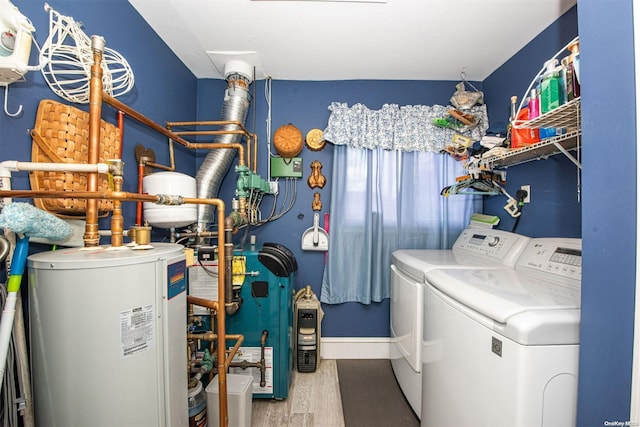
(501, 347)
(474, 248)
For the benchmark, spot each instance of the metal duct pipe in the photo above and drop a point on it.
(216, 164)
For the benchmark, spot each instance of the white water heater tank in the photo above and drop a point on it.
(108, 337)
(174, 184)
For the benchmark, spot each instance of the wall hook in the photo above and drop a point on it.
(6, 110)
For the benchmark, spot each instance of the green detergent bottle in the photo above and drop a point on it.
(550, 87)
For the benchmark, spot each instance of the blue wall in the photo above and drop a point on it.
(609, 217)
(606, 218)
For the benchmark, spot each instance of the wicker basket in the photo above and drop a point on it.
(61, 135)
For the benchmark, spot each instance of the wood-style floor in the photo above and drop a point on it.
(314, 401)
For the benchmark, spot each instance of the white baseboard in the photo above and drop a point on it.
(355, 348)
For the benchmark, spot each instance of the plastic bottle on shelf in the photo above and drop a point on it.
(546, 133)
(523, 136)
(550, 87)
(573, 71)
(562, 82)
(534, 104)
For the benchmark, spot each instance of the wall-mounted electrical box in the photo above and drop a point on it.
(282, 167)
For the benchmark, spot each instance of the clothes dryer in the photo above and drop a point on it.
(501, 347)
(474, 248)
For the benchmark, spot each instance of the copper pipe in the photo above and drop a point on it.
(230, 306)
(255, 153)
(139, 204)
(141, 118)
(202, 302)
(96, 195)
(224, 145)
(204, 336)
(212, 317)
(220, 317)
(211, 132)
(175, 137)
(121, 127)
(233, 351)
(242, 131)
(117, 220)
(162, 199)
(172, 161)
(210, 123)
(211, 336)
(251, 138)
(91, 236)
(159, 166)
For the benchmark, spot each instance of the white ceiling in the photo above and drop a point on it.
(349, 39)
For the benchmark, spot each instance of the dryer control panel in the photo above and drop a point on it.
(498, 245)
(553, 256)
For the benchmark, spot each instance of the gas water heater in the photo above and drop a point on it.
(107, 333)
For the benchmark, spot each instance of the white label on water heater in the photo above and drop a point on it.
(137, 330)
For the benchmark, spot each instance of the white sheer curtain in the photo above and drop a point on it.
(383, 200)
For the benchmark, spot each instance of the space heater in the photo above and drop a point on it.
(308, 317)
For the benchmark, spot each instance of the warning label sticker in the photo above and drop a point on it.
(137, 330)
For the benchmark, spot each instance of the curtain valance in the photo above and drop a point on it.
(393, 127)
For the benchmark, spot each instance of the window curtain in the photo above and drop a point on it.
(393, 127)
(385, 198)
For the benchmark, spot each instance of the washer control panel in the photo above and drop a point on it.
(492, 244)
(556, 256)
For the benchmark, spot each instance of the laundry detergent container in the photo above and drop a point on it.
(239, 390)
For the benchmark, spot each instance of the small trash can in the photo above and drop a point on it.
(239, 392)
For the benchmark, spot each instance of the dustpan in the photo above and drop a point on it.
(315, 238)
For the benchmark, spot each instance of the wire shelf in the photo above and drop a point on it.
(566, 116)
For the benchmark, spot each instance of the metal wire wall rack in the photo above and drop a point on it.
(567, 117)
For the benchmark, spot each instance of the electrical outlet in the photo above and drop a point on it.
(527, 188)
